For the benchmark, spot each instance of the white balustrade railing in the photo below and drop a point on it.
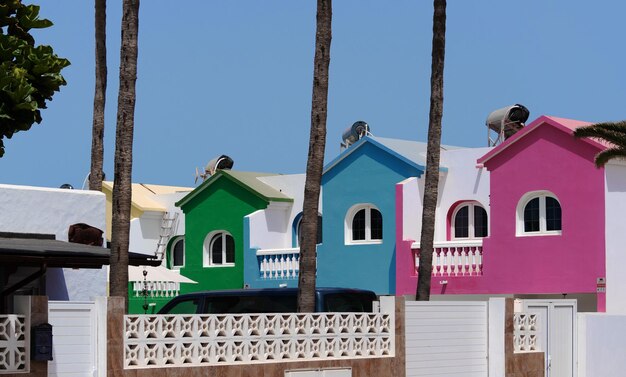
(14, 354)
(525, 332)
(156, 288)
(279, 263)
(454, 258)
(196, 340)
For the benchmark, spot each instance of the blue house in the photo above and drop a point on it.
(359, 207)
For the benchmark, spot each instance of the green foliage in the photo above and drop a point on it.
(29, 74)
(612, 134)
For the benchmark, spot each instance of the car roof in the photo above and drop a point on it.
(273, 291)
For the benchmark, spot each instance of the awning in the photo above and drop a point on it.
(37, 250)
(159, 273)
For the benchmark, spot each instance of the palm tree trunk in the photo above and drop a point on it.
(124, 150)
(431, 181)
(315, 161)
(96, 175)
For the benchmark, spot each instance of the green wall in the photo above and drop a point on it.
(221, 205)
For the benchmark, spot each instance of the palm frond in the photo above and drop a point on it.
(609, 154)
(612, 132)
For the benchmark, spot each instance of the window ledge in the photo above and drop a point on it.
(539, 234)
(372, 242)
(219, 265)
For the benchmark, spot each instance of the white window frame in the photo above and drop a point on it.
(206, 257)
(471, 234)
(368, 223)
(542, 195)
(176, 241)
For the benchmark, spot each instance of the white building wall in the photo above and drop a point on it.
(615, 207)
(144, 233)
(462, 181)
(412, 195)
(271, 228)
(28, 209)
(601, 345)
(169, 201)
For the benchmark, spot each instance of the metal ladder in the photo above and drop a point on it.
(168, 225)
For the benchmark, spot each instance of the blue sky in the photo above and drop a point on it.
(235, 78)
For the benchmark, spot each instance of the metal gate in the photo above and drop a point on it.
(557, 321)
(74, 331)
(446, 338)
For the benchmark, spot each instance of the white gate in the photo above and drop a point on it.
(446, 338)
(75, 339)
(557, 321)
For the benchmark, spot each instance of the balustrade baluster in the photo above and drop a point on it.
(297, 272)
(456, 261)
(262, 267)
(472, 253)
(416, 261)
(463, 261)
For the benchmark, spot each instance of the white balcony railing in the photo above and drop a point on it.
(454, 258)
(525, 332)
(14, 355)
(156, 288)
(157, 341)
(279, 263)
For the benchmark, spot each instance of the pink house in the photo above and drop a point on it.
(530, 220)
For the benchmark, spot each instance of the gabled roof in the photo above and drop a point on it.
(565, 125)
(411, 152)
(247, 180)
(143, 194)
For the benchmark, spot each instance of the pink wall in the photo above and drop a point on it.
(406, 280)
(548, 158)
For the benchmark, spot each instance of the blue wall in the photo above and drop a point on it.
(367, 175)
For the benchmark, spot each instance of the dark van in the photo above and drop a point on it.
(270, 300)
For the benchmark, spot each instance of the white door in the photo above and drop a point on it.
(73, 339)
(557, 326)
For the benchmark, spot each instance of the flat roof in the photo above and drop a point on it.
(29, 251)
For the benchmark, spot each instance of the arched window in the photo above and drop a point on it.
(177, 253)
(539, 213)
(469, 221)
(219, 249)
(364, 224)
(299, 230)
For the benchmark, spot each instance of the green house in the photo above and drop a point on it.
(214, 228)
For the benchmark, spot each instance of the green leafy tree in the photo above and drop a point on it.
(29, 74)
(433, 149)
(315, 160)
(613, 133)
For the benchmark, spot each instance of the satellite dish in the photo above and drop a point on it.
(505, 122)
(218, 163)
